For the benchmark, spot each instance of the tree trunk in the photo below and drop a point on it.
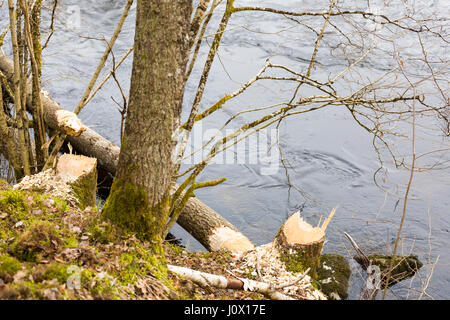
(140, 195)
(212, 230)
(7, 141)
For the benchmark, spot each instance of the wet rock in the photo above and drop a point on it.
(333, 276)
(403, 266)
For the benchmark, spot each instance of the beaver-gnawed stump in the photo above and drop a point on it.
(80, 173)
(300, 244)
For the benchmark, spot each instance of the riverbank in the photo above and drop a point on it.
(51, 249)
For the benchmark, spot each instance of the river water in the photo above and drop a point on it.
(332, 160)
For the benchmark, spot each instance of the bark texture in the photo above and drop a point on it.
(140, 194)
(211, 229)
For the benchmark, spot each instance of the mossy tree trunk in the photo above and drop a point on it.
(140, 194)
(7, 141)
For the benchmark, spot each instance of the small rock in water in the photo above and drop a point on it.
(403, 266)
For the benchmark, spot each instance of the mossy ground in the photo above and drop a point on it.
(52, 250)
(44, 242)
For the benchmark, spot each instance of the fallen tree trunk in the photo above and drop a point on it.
(202, 222)
(207, 279)
(55, 116)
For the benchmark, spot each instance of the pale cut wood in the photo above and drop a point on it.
(298, 231)
(74, 179)
(54, 115)
(224, 237)
(75, 166)
(300, 244)
(80, 173)
(69, 123)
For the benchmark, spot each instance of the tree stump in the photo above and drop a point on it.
(80, 173)
(300, 244)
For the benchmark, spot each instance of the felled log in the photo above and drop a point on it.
(215, 232)
(80, 172)
(205, 224)
(300, 244)
(55, 116)
(207, 279)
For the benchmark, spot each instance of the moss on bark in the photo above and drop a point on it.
(128, 207)
(85, 190)
(297, 257)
